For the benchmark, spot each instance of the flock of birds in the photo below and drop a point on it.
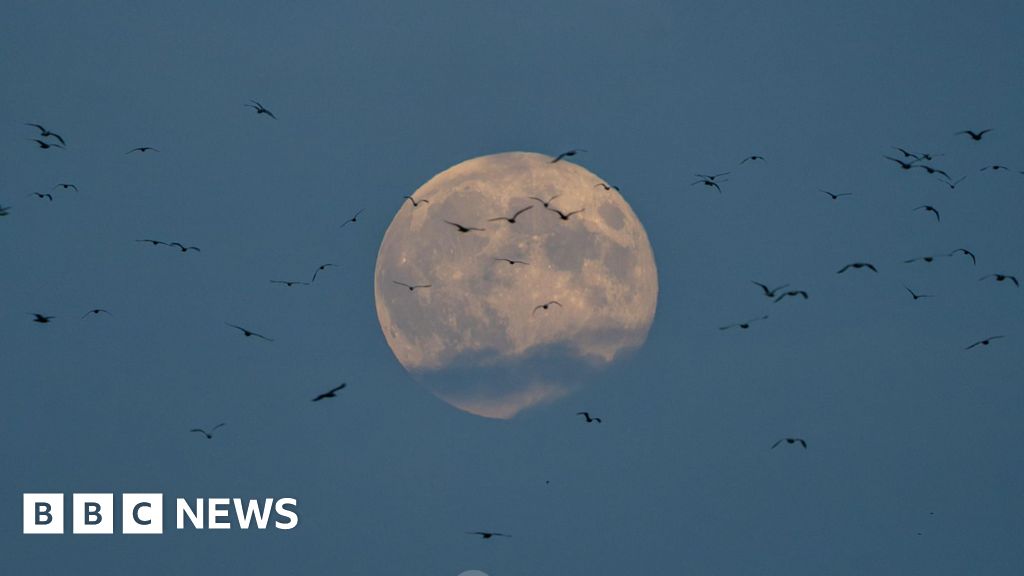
(906, 160)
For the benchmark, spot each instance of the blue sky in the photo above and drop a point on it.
(908, 433)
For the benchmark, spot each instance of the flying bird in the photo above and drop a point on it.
(546, 305)
(835, 196)
(353, 218)
(801, 441)
(41, 318)
(917, 296)
(903, 165)
(607, 186)
(416, 203)
(44, 133)
(330, 393)
(411, 287)
(965, 252)
(184, 248)
(953, 184)
(547, 203)
(511, 219)
(857, 265)
(995, 168)
(65, 186)
(464, 229)
(153, 242)
(260, 109)
(45, 145)
(486, 535)
(1001, 278)
(932, 170)
(588, 417)
(926, 259)
(709, 183)
(792, 293)
(248, 332)
(928, 208)
(752, 158)
(743, 325)
(572, 152)
(290, 283)
(712, 177)
(769, 293)
(209, 435)
(96, 312)
(5, 210)
(142, 149)
(510, 261)
(41, 195)
(564, 215)
(976, 136)
(984, 342)
(321, 268)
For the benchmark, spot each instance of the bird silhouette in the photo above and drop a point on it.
(487, 535)
(260, 109)
(96, 312)
(1001, 278)
(712, 177)
(332, 393)
(588, 418)
(142, 149)
(463, 229)
(5, 210)
(510, 261)
(917, 296)
(952, 184)
(46, 145)
(246, 332)
(800, 441)
(44, 133)
(545, 306)
(984, 342)
(769, 293)
(745, 324)
(411, 287)
(996, 168)
(906, 153)
(416, 203)
(607, 186)
(290, 283)
(65, 186)
(965, 252)
(932, 170)
(709, 183)
(926, 259)
(903, 165)
(41, 318)
(929, 208)
(184, 248)
(792, 293)
(209, 435)
(153, 242)
(752, 158)
(544, 203)
(567, 154)
(321, 268)
(857, 265)
(835, 196)
(42, 195)
(353, 218)
(510, 219)
(564, 215)
(976, 136)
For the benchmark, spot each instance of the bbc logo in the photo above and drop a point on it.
(93, 513)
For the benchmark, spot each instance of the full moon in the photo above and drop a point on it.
(513, 314)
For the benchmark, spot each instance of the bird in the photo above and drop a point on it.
(867, 265)
(607, 186)
(793, 293)
(511, 219)
(903, 165)
(41, 318)
(544, 203)
(353, 218)
(709, 183)
(953, 184)
(184, 248)
(248, 332)
(545, 306)
(260, 109)
(917, 296)
(976, 136)
(321, 268)
(65, 186)
(290, 283)
(835, 196)
(588, 417)
(712, 177)
(487, 535)
(932, 170)
(572, 152)
(928, 208)
(97, 311)
(142, 149)
(984, 342)
(330, 393)
(752, 158)
(965, 252)
(510, 261)
(743, 325)
(463, 229)
(153, 242)
(801, 441)
(411, 287)
(416, 203)
(44, 133)
(769, 293)
(564, 215)
(926, 259)
(1002, 277)
(906, 153)
(5, 210)
(41, 195)
(995, 168)
(45, 145)
(209, 435)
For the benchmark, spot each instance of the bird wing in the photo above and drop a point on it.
(339, 387)
(844, 269)
(401, 283)
(777, 442)
(516, 215)
(217, 426)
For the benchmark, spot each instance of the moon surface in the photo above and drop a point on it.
(478, 336)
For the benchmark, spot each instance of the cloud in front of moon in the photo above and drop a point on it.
(475, 336)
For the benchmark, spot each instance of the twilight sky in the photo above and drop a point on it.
(914, 462)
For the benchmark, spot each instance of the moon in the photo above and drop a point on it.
(476, 331)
